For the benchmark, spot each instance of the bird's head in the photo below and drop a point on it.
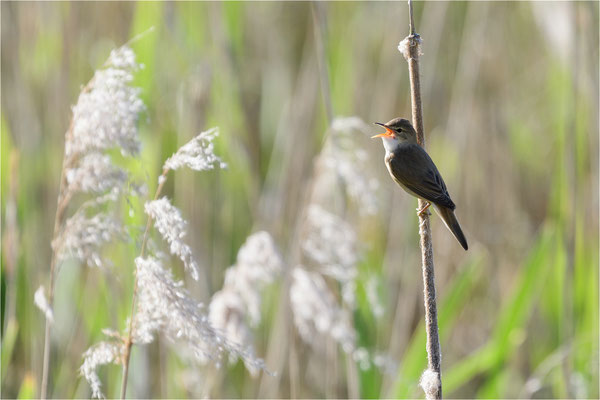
(397, 131)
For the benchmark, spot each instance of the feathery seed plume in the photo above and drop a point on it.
(165, 305)
(331, 243)
(258, 263)
(82, 237)
(315, 310)
(95, 172)
(107, 111)
(102, 353)
(198, 154)
(346, 157)
(173, 228)
(104, 118)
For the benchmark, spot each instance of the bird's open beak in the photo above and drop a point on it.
(388, 132)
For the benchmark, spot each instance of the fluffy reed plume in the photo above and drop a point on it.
(198, 154)
(165, 306)
(161, 303)
(330, 243)
(330, 247)
(82, 238)
(317, 312)
(325, 229)
(344, 157)
(343, 169)
(228, 314)
(105, 352)
(236, 307)
(171, 225)
(347, 161)
(104, 118)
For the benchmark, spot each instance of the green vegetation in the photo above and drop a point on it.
(511, 120)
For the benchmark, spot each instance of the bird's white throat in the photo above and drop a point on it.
(390, 144)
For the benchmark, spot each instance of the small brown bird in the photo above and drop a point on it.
(412, 168)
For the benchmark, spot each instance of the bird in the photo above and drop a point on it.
(411, 167)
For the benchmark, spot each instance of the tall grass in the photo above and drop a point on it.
(512, 117)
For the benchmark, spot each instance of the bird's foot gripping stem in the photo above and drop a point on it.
(424, 211)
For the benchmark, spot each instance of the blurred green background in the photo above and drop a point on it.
(510, 97)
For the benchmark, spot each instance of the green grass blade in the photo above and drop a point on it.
(509, 332)
(8, 344)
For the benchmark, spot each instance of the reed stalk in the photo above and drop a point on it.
(129, 340)
(431, 380)
(62, 203)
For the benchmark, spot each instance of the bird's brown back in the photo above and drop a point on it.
(413, 169)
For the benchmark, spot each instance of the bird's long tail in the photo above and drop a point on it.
(452, 223)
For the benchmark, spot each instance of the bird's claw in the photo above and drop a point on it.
(424, 210)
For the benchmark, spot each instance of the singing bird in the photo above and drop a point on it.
(412, 168)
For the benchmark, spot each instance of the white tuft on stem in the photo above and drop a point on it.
(430, 382)
(404, 46)
(41, 302)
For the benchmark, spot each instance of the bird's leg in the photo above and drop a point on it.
(423, 211)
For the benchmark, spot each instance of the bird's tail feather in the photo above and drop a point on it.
(451, 222)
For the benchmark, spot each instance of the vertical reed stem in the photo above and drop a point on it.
(434, 356)
(129, 340)
(61, 207)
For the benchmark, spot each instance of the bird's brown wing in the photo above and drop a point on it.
(412, 167)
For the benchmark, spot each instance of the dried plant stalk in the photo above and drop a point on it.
(62, 202)
(129, 340)
(105, 117)
(431, 381)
